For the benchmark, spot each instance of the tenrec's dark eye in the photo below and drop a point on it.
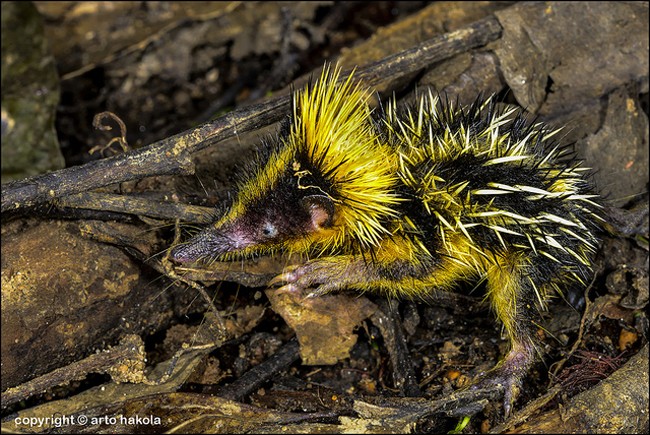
(269, 230)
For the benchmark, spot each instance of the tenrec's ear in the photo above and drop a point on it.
(321, 210)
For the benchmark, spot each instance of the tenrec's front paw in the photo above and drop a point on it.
(315, 278)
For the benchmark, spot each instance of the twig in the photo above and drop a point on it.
(388, 322)
(255, 377)
(137, 206)
(98, 123)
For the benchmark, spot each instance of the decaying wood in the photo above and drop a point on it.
(129, 353)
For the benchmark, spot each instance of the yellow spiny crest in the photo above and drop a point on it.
(332, 127)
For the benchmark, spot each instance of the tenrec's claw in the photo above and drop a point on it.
(289, 274)
(287, 289)
(279, 279)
